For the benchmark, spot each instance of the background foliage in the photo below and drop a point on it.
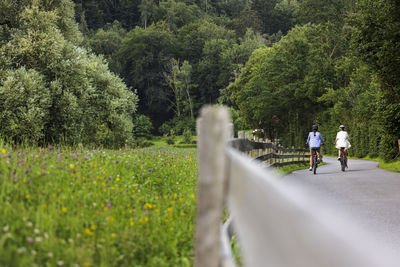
(281, 65)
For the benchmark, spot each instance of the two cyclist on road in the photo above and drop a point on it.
(315, 141)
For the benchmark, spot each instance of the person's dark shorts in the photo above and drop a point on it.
(315, 148)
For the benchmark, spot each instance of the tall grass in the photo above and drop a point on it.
(95, 207)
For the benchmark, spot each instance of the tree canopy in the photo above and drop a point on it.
(84, 72)
(51, 85)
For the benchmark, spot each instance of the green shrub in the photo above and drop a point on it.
(165, 128)
(142, 126)
(170, 140)
(180, 125)
(388, 147)
(374, 140)
(143, 142)
(187, 136)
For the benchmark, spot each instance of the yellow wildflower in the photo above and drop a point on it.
(111, 218)
(3, 151)
(71, 166)
(86, 264)
(192, 196)
(113, 235)
(64, 210)
(117, 180)
(94, 227)
(88, 232)
(28, 196)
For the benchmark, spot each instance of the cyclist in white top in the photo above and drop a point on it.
(342, 140)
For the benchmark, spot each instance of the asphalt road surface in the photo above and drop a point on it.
(365, 194)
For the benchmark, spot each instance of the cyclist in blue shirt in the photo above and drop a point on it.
(314, 141)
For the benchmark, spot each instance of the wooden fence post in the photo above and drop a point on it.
(212, 132)
(231, 134)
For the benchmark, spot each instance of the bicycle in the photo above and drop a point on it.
(314, 160)
(343, 159)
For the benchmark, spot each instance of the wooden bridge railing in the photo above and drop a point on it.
(275, 225)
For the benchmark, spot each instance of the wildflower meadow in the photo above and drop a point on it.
(63, 206)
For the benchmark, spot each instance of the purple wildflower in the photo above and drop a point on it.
(29, 239)
(109, 205)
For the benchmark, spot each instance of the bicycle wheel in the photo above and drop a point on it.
(342, 163)
(314, 165)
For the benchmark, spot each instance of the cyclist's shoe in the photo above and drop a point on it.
(310, 169)
(338, 158)
(318, 160)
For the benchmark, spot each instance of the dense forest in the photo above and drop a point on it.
(114, 71)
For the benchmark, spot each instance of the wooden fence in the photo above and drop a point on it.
(268, 152)
(275, 225)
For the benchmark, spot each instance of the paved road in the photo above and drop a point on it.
(367, 195)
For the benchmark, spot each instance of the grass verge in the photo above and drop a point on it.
(285, 170)
(393, 166)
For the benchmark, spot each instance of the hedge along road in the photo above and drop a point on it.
(365, 195)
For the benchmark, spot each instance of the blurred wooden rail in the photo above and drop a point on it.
(275, 226)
